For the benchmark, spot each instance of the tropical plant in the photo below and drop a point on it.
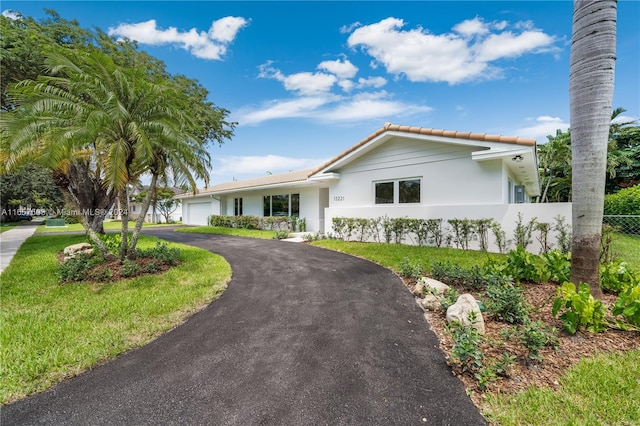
(591, 81)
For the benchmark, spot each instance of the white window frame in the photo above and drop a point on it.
(396, 191)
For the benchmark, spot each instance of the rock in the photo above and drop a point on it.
(435, 285)
(418, 290)
(76, 249)
(461, 310)
(430, 303)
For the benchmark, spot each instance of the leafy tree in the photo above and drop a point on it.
(163, 202)
(31, 187)
(100, 123)
(591, 81)
(555, 167)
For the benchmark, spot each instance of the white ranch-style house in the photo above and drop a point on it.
(397, 171)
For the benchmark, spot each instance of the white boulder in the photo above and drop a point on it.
(435, 285)
(466, 312)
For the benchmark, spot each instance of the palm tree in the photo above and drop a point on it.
(591, 77)
(99, 127)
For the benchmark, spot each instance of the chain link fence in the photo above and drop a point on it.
(628, 224)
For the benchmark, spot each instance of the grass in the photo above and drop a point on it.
(7, 226)
(627, 248)
(238, 232)
(108, 226)
(390, 255)
(597, 391)
(51, 332)
(604, 390)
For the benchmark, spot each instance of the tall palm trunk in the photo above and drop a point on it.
(143, 213)
(124, 216)
(591, 76)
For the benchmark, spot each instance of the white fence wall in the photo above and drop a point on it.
(505, 214)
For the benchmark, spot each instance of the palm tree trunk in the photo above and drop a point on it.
(591, 78)
(124, 216)
(143, 212)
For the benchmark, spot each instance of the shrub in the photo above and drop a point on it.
(77, 268)
(563, 234)
(411, 270)
(579, 308)
(453, 274)
(628, 305)
(522, 265)
(506, 302)
(449, 297)
(129, 268)
(522, 232)
(162, 252)
(616, 276)
(558, 265)
(535, 335)
(281, 235)
(624, 202)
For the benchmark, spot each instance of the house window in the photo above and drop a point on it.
(409, 191)
(405, 191)
(281, 205)
(237, 206)
(384, 192)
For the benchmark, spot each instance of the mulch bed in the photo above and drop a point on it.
(527, 372)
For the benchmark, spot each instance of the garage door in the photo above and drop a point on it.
(197, 213)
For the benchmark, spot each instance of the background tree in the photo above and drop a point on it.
(31, 187)
(591, 80)
(162, 201)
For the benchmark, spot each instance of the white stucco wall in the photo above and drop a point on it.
(505, 214)
(448, 174)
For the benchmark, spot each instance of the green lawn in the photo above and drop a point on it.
(108, 226)
(627, 248)
(390, 255)
(604, 390)
(51, 332)
(7, 226)
(238, 232)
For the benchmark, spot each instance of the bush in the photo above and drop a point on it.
(129, 268)
(624, 202)
(616, 276)
(77, 268)
(628, 305)
(169, 256)
(411, 270)
(506, 302)
(522, 265)
(453, 274)
(579, 309)
(558, 265)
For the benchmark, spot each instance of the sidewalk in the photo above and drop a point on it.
(11, 240)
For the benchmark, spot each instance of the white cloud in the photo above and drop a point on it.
(375, 82)
(288, 108)
(508, 45)
(225, 29)
(260, 165)
(471, 27)
(621, 119)
(331, 108)
(463, 55)
(370, 106)
(543, 126)
(304, 83)
(205, 45)
(342, 69)
(11, 14)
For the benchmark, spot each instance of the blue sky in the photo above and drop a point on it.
(307, 80)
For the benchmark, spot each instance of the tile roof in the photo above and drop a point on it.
(281, 178)
(303, 175)
(429, 132)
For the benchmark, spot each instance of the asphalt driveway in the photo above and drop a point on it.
(302, 336)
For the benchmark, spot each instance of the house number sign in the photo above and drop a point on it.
(338, 198)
